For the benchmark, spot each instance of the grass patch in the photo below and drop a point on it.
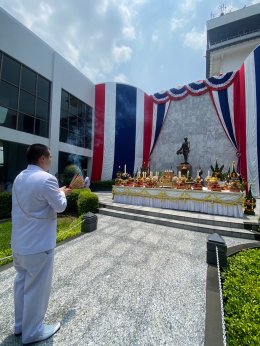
(241, 292)
(5, 239)
(65, 230)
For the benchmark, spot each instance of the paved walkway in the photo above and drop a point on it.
(127, 283)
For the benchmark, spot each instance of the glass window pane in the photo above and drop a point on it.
(27, 103)
(73, 105)
(8, 95)
(81, 126)
(8, 118)
(43, 88)
(72, 138)
(0, 62)
(80, 105)
(41, 128)
(63, 135)
(42, 109)
(73, 123)
(89, 127)
(26, 123)
(28, 80)
(84, 109)
(64, 100)
(11, 70)
(81, 141)
(64, 119)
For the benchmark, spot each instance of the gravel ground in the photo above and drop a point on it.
(127, 283)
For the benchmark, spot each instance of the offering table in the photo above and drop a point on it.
(205, 201)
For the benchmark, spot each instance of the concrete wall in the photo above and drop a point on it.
(195, 118)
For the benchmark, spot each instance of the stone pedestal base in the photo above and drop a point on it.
(184, 168)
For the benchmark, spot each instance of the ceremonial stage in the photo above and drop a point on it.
(209, 202)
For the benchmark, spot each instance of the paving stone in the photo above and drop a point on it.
(127, 283)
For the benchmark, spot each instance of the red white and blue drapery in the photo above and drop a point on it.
(127, 124)
(128, 121)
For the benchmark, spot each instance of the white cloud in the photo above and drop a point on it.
(72, 53)
(31, 18)
(92, 73)
(196, 40)
(129, 32)
(155, 37)
(122, 54)
(177, 23)
(189, 5)
(92, 35)
(121, 78)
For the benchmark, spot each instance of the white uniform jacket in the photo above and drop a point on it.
(36, 199)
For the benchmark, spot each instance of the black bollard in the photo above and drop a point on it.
(90, 223)
(215, 240)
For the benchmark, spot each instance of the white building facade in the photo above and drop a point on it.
(231, 37)
(43, 99)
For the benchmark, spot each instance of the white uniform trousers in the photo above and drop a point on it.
(32, 287)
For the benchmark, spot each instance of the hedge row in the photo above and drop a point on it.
(5, 204)
(241, 292)
(104, 185)
(78, 202)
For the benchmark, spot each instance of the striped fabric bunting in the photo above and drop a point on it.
(128, 122)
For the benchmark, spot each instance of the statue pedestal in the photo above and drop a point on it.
(184, 168)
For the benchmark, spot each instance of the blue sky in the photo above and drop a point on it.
(154, 45)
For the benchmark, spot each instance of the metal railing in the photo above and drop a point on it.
(221, 301)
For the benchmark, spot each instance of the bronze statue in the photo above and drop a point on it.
(184, 149)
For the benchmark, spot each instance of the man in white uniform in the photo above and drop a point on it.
(36, 199)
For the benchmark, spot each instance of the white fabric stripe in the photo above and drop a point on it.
(109, 131)
(230, 94)
(155, 106)
(139, 131)
(166, 111)
(251, 125)
(216, 100)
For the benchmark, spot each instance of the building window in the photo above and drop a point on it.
(75, 121)
(24, 98)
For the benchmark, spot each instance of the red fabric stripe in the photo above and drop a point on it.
(240, 118)
(98, 150)
(148, 126)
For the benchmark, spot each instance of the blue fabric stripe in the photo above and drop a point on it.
(224, 105)
(222, 80)
(178, 91)
(197, 86)
(160, 96)
(257, 89)
(159, 122)
(125, 128)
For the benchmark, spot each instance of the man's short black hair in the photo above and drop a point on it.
(35, 151)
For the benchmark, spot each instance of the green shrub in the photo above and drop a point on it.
(87, 201)
(102, 185)
(69, 172)
(72, 199)
(5, 204)
(241, 292)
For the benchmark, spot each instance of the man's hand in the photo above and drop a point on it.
(66, 190)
